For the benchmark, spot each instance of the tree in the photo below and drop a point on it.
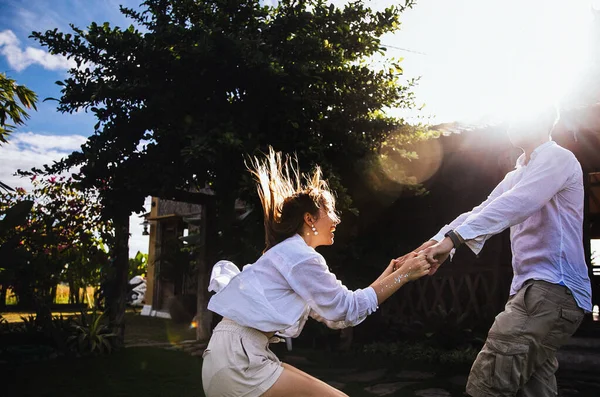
(62, 238)
(13, 217)
(180, 104)
(138, 265)
(11, 111)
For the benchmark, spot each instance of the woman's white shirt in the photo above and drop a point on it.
(285, 286)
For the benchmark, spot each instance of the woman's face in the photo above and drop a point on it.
(325, 226)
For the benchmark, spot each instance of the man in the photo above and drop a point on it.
(541, 201)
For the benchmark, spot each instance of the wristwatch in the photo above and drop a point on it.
(456, 241)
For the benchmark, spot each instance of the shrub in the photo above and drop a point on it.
(91, 335)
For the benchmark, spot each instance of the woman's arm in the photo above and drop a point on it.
(331, 300)
(413, 267)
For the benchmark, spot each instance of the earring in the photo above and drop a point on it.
(314, 229)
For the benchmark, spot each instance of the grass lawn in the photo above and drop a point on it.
(138, 329)
(15, 317)
(142, 329)
(142, 371)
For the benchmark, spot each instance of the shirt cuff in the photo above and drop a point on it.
(440, 235)
(472, 240)
(466, 232)
(372, 297)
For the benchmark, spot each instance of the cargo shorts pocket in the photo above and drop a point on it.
(501, 365)
(566, 324)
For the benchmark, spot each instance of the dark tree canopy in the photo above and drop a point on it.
(181, 98)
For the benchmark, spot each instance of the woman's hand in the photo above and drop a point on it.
(401, 259)
(414, 253)
(394, 264)
(414, 267)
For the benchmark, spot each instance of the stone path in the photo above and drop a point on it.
(413, 383)
(407, 383)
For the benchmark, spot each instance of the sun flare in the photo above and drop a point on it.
(482, 61)
(548, 56)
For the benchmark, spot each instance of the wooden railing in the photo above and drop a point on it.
(478, 291)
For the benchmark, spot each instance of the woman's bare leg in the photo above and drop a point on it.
(296, 383)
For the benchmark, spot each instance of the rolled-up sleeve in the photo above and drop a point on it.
(543, 179)
(327, 296)
(475, 244)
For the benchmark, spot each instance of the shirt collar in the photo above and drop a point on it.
(534, 154)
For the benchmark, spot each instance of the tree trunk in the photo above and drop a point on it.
(117, 278)
(71, 284)
(43, 314)
(224, 216)
(2, 298)
(73, 292)
(53, 291)
(25, 298)
(205, 260)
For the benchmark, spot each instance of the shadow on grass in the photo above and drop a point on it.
(140, 371)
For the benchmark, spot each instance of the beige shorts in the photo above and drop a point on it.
(238, 362)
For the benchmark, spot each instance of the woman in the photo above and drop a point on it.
(286, 285)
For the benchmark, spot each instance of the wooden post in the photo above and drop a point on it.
(152, 257)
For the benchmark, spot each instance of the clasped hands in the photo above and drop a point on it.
(433, 252)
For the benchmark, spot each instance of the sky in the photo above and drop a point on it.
(477, 60)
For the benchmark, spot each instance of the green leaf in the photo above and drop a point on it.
(15, 215)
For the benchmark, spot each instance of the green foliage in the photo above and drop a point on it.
(449, 329)
(29, 324)
(138, 265)
(61, 238)
(14, 216)
(13, 99)
(62, 323)
(92, 336)
(3, 325)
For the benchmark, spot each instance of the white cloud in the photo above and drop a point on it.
(138, 242)
(47, 143)
(20, 59)
(26, 150)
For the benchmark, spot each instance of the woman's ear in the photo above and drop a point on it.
(308, 219)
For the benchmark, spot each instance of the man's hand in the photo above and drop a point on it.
(437, 254)
(425, 245)
(414, 267)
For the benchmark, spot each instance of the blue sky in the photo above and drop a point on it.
(49, 135)
(474, 57)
